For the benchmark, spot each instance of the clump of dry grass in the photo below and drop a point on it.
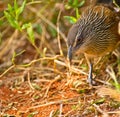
(38, 67)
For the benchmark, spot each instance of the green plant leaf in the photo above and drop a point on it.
(25, 26)
(36, 86)
(52, 31)
(20, 9)
(75, 3)
(31, 34)
(15, 5)
(77, 13)
(71, 19)
(14, 23)
(70, 2)
(99, 101)
(11, 10)
(13, 13)
(39, 28)
(81, 3)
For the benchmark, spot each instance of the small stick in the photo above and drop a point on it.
(101, 111)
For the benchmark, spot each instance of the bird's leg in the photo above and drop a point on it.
(90, 80)
(90, 63)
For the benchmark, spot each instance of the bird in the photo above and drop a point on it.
(94, 34)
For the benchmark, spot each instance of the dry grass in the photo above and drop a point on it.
(38, 81)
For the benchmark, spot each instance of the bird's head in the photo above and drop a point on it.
(74, 40)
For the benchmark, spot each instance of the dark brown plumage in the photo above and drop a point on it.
(94, 34)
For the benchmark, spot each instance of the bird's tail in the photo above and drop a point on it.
(114, 5)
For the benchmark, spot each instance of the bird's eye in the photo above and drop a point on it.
(79, 39)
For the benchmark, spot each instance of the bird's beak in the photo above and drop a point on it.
(70, 53)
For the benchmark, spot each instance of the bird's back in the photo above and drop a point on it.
(97, 31)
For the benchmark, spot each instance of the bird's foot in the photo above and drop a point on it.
(91, 82)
